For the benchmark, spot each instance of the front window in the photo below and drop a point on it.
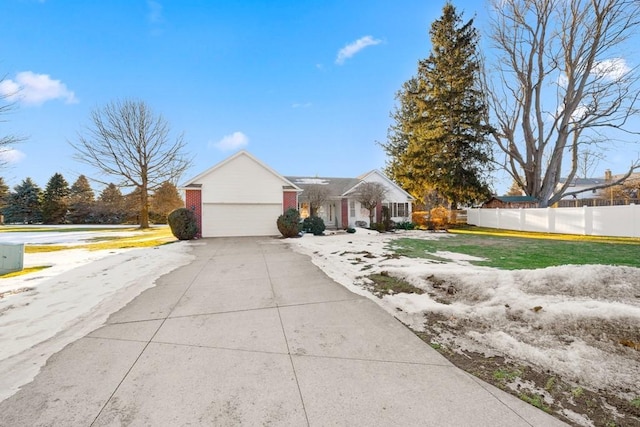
(352, 208)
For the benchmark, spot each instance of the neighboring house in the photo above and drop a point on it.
(510, 202)
(581, 185)
(241, 196)
(341, 209)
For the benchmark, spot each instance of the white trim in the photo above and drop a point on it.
(236, 155)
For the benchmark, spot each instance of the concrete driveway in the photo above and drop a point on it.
(252, 333)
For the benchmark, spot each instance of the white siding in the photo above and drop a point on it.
(241, 180)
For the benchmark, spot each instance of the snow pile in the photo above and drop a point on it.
(42, 312)
(582, 322)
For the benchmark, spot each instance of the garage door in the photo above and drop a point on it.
(225, 220)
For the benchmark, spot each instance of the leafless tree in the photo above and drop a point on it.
(588, 160)
(315, 195)
(6, 106)
(559, 83)
(369, 194)
(128, 141)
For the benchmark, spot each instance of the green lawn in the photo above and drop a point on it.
(512, 253)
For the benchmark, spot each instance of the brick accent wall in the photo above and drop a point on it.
(378, 217)
(289, 200)
(193, 201)
(345, 212)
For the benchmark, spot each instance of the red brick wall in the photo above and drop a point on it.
(193, 201)
(378, 217)
(345, 213)
(289, 200)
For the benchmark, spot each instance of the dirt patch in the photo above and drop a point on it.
(566, 400)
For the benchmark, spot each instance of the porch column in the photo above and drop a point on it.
(344, 217)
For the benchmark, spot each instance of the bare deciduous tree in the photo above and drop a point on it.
(315, 195)
(127, 140)
(369, 194)
(6, 106)
(560, 81)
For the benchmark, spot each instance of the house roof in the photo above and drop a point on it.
(582, 182)
(195, 181)
(514, 199)
(340, 187)
(336, 187)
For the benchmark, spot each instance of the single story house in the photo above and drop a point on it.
(341, 208)
(242, 196)
(510, 202)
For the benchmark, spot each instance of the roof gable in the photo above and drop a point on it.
(196, 181)
(366, 177)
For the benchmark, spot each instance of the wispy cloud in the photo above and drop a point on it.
(155, 12)
(11, 155)
(30, 88)
(352, 48)
(231, 142)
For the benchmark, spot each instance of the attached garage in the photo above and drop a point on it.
(240, 219)
(240, 196)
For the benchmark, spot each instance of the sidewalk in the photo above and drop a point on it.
(252, 333)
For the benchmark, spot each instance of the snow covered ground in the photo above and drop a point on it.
(42, 312)
(580, 322)
(570, 320)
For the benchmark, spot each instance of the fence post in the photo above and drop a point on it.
(551, 220)
(588, 220)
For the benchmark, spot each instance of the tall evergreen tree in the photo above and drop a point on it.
(55, 200)
(24, 204)
(164, 200)
(441, 125)
(110, 206)
(81, 201)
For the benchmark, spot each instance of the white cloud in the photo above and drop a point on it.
(352, 48)
(35, 89)
(231, 142)
(11, 155)
(612, 69)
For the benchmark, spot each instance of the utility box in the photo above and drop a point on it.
(11, 257)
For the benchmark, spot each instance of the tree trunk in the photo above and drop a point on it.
(144, 208)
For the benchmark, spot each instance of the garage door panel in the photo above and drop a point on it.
(229, 220)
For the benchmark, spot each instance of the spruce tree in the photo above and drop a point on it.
(442, 119)
(81, 201)
(55, 200)
(4, 193)
(110, 206)
(164, 200)
(24, 204)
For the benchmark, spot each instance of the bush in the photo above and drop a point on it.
(183, 223)
(405, 225)
(439, 218)
(378, 226)
(351, 230)
(313, 224)
(420, 218)
(386, 219)
(289, 223)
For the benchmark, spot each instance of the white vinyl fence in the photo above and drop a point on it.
(621, 221)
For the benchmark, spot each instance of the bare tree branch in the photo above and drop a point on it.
(127, 140)
(559, 78)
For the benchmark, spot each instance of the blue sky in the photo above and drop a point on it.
(306, 86)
